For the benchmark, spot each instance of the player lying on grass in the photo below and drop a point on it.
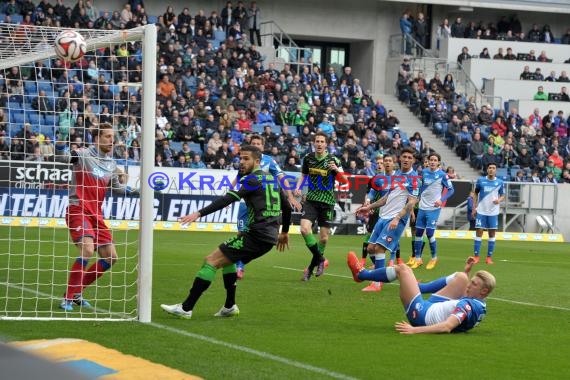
(267, 204)
(456, 305)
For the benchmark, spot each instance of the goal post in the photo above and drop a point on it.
(147, 193)
(37, 118)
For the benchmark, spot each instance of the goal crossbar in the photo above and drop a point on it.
(20, 44)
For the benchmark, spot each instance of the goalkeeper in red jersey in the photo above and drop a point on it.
(94, 171)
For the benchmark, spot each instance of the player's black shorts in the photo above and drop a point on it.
(372, 220)
(321, 212)
(244, 248)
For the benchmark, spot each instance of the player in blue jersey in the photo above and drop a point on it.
(396, 207)
(434, 182)
(489, 193)
(269, 165)
(456, 305)
(379, 187)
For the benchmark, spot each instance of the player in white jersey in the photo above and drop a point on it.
(396, 208)
(436, 189)
(489, 193)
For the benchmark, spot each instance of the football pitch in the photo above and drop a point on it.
(327, 327)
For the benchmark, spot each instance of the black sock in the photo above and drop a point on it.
(317, 257)
(364, 250)
(199, 287)
(413, 248)
(398, 253)
(230, 283)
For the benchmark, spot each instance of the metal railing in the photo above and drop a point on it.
(523, 200)
(456, 211)
(469, 88)
(399, 44)
(286, 50)
(426, 61)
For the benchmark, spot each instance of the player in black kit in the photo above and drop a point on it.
(266, 204)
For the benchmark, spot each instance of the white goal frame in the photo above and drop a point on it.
(23, 44)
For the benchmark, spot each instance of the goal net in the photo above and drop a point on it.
(49, 110)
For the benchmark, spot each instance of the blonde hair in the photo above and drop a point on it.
(487, 279)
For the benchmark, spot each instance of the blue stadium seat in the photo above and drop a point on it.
(33, 118)
(219, 35)
(28, 103)
(14, 105)
(50, 119)
(14, 129)
(194, 147)
(45, 86)
(47, 130)
(176, 146)
(257, 128)
(503, 173)
(17, 19)
(30, 87)
(17, 117)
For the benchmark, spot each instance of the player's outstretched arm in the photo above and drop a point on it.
(469, 264)
(443, 327)
(216, 205)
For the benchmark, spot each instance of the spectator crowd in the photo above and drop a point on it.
(214, 89)
(530, 147)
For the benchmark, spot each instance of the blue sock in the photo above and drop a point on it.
(433, 247)
(477, 246)
(436, 285)
(490, 247)
(83, 262)
(418, 247)
(104, 264)
(386, 274)
(393, 256)
(380, 260)
(239, 265)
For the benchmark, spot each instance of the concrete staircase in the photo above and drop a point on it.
(410, 124)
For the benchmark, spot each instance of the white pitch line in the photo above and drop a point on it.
(262, 354)
(530, 304)
(204, 338)
(491, 298)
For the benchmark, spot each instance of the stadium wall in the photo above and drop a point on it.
(364, 24)
(558, 21)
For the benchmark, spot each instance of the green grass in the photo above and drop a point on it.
(326, 323)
